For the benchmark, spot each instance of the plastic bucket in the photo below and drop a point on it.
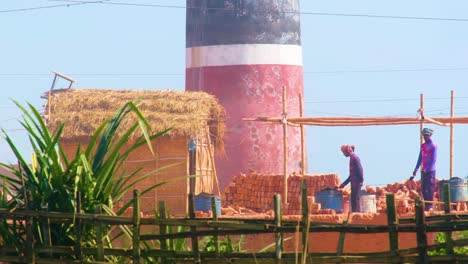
(330, 199)
(458, 190)
(203, 203)
(368, 203)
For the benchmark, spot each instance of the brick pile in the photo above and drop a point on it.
(255, 191)
(405, 193)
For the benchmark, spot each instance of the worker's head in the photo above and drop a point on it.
(347, 149)
(427, 133)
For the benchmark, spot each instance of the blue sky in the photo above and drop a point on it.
(361, 58)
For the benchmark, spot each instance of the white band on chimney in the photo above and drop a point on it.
(243, 54)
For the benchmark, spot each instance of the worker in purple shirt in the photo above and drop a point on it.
(356, 176)
(427, 159)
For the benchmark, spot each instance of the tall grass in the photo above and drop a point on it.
(53, 180)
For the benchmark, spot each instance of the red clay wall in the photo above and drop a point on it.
(168, 151)
(327, 242)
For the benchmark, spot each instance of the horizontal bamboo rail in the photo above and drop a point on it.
(362, 121)
(217, 227)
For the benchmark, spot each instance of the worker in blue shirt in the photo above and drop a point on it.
(427, 162)
(356, 176)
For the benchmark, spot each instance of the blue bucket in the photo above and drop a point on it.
(203, 202)
(458, 190)
(330, 199)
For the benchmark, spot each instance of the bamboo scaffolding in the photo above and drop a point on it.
(363, 121)
(452, 113)
(303, 152)
(285, 146)
(421, 123)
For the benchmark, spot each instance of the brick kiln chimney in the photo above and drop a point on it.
(244, 52)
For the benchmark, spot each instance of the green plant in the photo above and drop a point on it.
(53, 182)
(226, 245)
(442, 238)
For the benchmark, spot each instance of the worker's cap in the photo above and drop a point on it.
(427, 131)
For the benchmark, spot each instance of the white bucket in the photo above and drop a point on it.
(368, 203)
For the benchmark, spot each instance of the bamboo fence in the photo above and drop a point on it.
(198, 228)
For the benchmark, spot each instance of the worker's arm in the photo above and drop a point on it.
(418, 163)
(345, 182)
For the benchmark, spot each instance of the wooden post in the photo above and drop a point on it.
(30, 254)
(421, 235)
(99, 236)
(393, 224)
(163, 228)
(305, 221)
(193, 229)
(45, 227)
(421, 124)
(78, 246)
(214, 209)
(192, 149)
(303, 150)
(49, 105)
(448, 234)
(452, 114)
(278, 235)
(285, 147)
(136, 227)
(210, 152)
(339, 251)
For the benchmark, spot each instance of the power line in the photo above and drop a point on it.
(382, 100)
(301, 12)
(388, 17)
(388, 70)
(48, 7)
(94, 74)
(305, 72)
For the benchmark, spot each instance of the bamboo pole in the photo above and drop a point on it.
(45, 226)
(210, 153)
(79, 230)
(303, 151)
(421, 124)
(341, 239)
(452, 113)
(421, 235)
(163, 228)
(278, 235)
(285, 147)
(214, 209)
(392, 223)
(99, 236)
(448, 235)
(29, 251)
(136, 227)
(193, 230)
(305, 221)
(192, 150)
(338, 121)
(49, 96)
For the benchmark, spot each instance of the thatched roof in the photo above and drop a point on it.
(187, 113)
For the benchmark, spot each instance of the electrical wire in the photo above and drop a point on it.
(301, 12)
(388, 70)
(381, 100)
(181, 74)
(48, 7)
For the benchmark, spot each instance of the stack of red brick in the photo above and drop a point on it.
(255, 191)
